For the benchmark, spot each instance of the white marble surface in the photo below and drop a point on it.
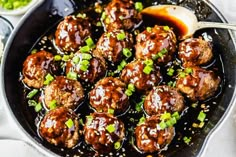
(221, 144)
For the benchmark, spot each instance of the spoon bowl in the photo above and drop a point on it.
(182, 19)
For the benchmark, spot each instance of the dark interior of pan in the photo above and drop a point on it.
(46, 16)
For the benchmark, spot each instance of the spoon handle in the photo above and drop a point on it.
(202, 25)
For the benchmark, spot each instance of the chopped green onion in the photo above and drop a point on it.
(53, 104)
(69, 123)
(121, 36)
(117, 145)
(138, 6)
(32, 103)
(76, 59)
(201, 117)
(176, 115)
(187, 140)
(188, 70)
(163, 51)
(66, 58)
(121, 17)
(170, 71)
(148, 62)
(127, 52)
(111, 111)
(83, 16)
(182, 74)
(34, 51)
(81, 121)
(123, 63)
(32, 93)
(86, 56)
(131, 87)
(89, 120)
(72, 75)
(48, 79)
(84, 49)
(98, 24)
(166, 28)
(165, 116)
(128, 92)
(194, 105)
(103, 16)
(111, 128)
(141, 120)
(162, 125)
(38, 107)
(147, 70)
(149, 29)
(90, 42)
(57, 58)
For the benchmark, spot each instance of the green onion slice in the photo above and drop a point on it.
(138, 6)
(111, 128)
(127, 52)
(72, 75)
(201, 117)
(90, 42)
(48, 79)
(32, 93)
(53, 104)
(69, 123)
(117, 145)
(89, 120)
(84, 49)
(57, 58)
(111, 111)
(147, 70)
(38, 107)
(121, 36)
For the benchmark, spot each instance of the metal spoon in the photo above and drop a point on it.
(182, 19)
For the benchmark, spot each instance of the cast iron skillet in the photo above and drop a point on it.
(50, 12)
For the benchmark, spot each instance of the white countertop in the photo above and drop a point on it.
(222, 143)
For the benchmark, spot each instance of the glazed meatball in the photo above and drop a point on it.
(88, 68)
(65, 92)
(151, 138)
(134, 73)
(109, 93)
(120, 14)
(163, 99)
(71, 33)
(104, 132)
(200, 84)
(111, 45)
(158, 43)
(195, 51)
(36, 67)
(60, 127)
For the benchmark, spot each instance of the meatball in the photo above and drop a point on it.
(151, 138)
(104, 132)
(120, 14)
(134, 73)
(72, 32)
(163, 99)
(109, 94)
(89, 68)
(112, 43)
(60, 127)
(195, 51)
(65, 92)
(198, 83)
(158, 43)
(36, 67)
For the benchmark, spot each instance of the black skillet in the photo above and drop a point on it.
(47, 15)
